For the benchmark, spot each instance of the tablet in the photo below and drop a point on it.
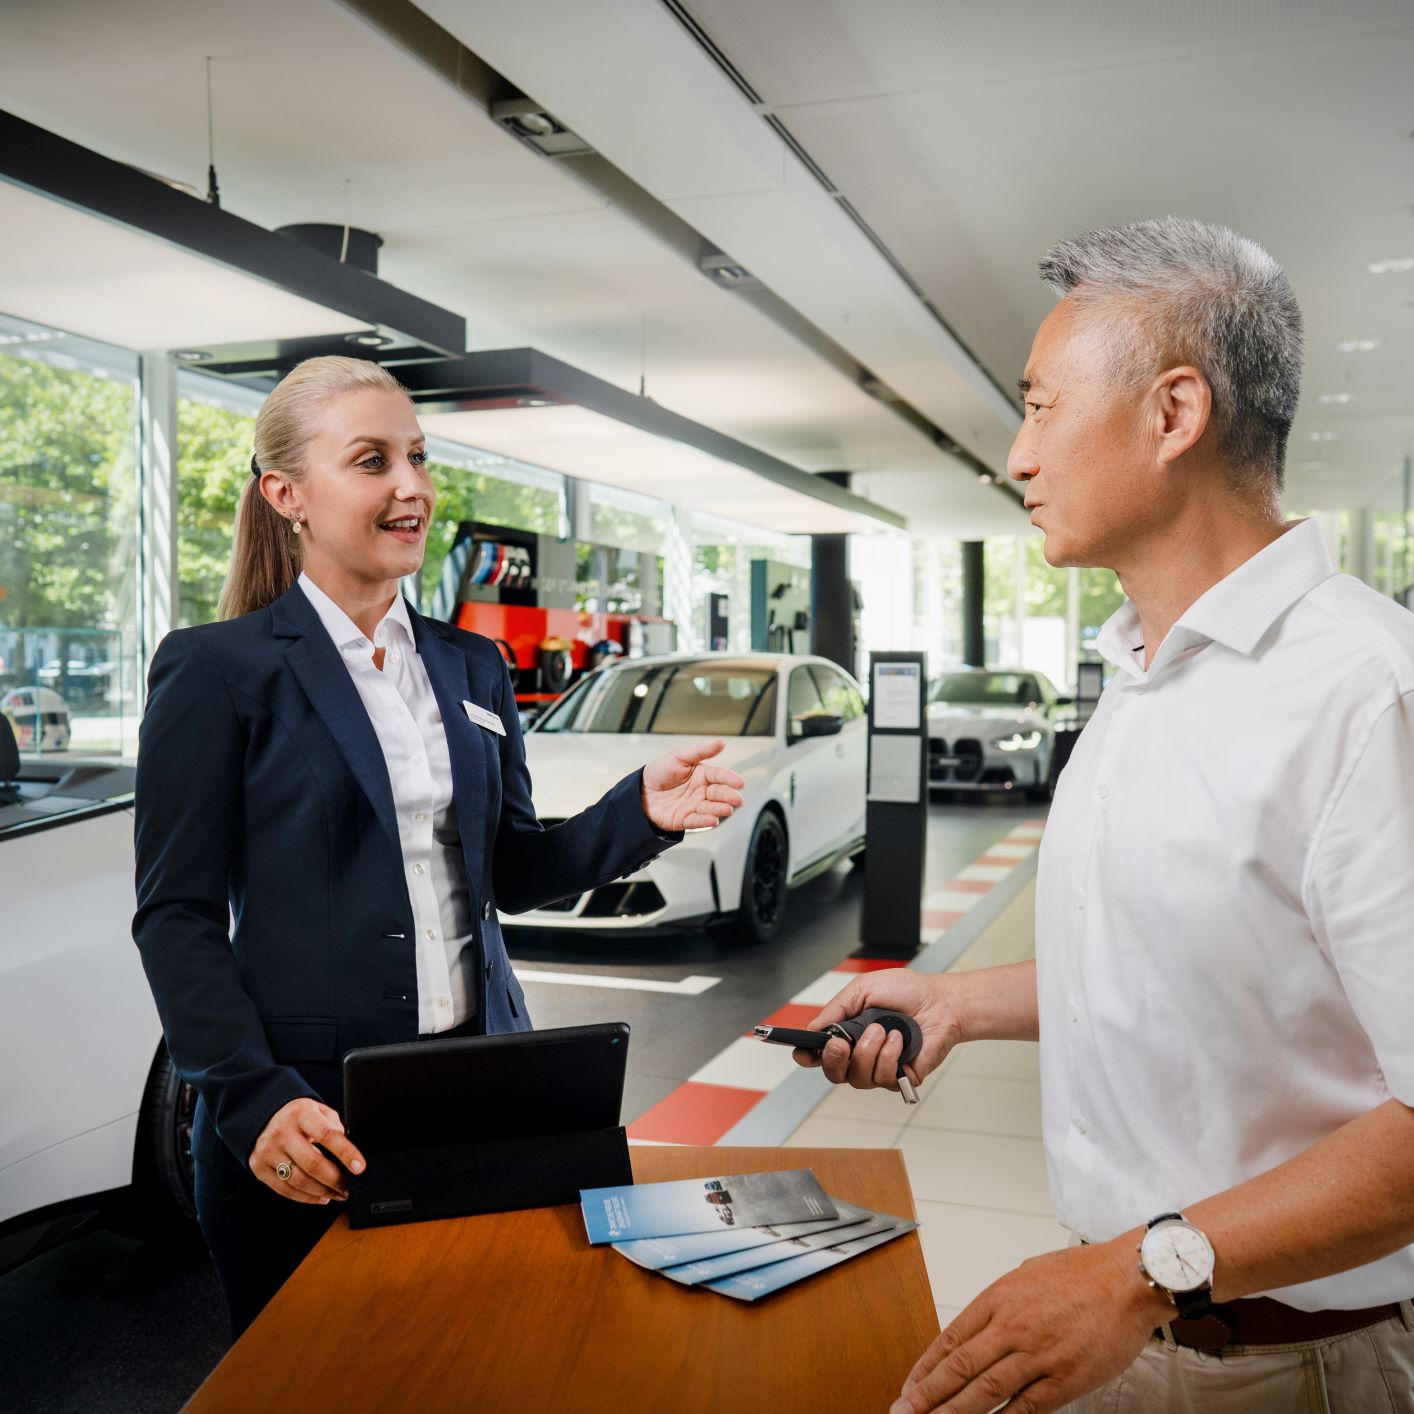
(426, 1094)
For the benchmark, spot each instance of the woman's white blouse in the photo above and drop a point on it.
(408, 723)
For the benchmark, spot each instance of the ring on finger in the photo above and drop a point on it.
(285, 1170)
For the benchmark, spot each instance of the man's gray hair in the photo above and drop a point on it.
(1179, 291)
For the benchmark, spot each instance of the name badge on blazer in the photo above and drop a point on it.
(483, 718)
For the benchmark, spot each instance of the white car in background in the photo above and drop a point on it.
(93, 1116)
(992, 730)
(795, 731)
(40, 718)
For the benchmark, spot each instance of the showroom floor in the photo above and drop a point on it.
(106, 1324)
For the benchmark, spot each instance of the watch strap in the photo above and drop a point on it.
(1192, 1304)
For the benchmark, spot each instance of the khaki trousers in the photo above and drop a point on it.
(1366, 1372)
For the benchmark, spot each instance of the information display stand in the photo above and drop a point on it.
(896, 810)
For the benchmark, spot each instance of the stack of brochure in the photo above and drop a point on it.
(744, 1235)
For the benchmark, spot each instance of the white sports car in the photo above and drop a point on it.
(795, 731)
(992, 731)
(93, 1117)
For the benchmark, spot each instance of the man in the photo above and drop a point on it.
(1224, 979)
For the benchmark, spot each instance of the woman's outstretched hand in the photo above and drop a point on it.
(680, 792)
(289, 1139)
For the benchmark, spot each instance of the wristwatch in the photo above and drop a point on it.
(1176, 1258)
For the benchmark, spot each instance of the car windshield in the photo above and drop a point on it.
(985, 689)
(680, 699)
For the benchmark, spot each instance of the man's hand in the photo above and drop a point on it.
(873, 1061)
(680, 793)
(1057, 1327)
(290, 1137)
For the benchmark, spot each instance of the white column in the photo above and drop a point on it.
(677, 576)
(157, 483)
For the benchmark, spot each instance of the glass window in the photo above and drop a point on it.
(69, 671)
(986, 689)
(700, 698)
(803, 700)
(840, 696)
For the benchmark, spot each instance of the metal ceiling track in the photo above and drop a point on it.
(51, 166)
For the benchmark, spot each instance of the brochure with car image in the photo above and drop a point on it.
(696, 1205)
(762, 1281)
(713, 1268)
(657, 1253)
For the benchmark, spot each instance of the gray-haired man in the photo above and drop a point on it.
(1224, 978)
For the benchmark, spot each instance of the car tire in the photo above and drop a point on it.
(764, 882)
(162, 1204)
(859, 859)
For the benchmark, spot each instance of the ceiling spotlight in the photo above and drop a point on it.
(1313, 466)
(1323, 436)
(525, 119)
(1396, 265)
(369, 339)
(1337, 398)
(1358, 345)
(191, 355)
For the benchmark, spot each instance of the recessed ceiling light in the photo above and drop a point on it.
(191, 355)
(368, 339)
(1323, 436)
(1337, 397)
(1396, 265)
(1358, 345)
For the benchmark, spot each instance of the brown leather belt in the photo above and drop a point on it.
(1258, 1320)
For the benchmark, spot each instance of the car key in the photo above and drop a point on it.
(850, 1030)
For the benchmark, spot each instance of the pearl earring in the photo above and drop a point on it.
(295, 525)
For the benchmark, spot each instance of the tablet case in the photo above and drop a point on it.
(485, 1124)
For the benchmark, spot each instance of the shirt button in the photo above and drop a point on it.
(396, 657)
(420, 816)
(486, 909)
(1102, 791)
(1080, 1125)
(418, 869)
(414, 760)
(431, 935)
(1073, 1013)
(1141, 691)
(397, 711)
(1080, 901)
(444, 1001)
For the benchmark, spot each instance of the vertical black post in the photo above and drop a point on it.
(830, 606)
(974, 590)
(896, 806)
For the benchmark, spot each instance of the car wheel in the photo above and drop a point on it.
(859, 859)
(162, 1204)
(763, 886)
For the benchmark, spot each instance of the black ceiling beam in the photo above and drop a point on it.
(52, 166)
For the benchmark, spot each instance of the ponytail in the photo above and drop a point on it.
(266, 556)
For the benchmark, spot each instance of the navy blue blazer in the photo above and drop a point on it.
(262, 794)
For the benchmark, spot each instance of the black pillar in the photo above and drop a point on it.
(831, 632)
(974, 588)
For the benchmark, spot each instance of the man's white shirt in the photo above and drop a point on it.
(1225, 901)
(408, 724)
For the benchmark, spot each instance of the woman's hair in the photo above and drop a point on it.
(267, 555)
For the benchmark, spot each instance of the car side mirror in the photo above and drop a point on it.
(825, 724)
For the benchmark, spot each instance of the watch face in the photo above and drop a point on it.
(1177, 1256)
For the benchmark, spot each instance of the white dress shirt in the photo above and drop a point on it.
(1225, 902)
(408, 723)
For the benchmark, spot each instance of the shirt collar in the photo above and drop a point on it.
(342, 629)
(1238, 610)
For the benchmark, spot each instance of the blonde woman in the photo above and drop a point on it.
(346, 780)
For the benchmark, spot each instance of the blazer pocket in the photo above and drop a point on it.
(302, 1038)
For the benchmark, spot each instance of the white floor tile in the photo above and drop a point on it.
(983, 1170)
(1012, 849)
(952, 900)
(823, 1131)
(966, 1249)
(1007, 1060)
(1026, 832)
(823, 988)
(983, 1104)
(748, 1064)
(985, 873)
(876, 1106)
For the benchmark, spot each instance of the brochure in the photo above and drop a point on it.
(703, 1205)
(762, 1281)
(699, 1273)
(655, 1253)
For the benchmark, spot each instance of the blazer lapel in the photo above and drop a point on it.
(449, 673)
(321, 672)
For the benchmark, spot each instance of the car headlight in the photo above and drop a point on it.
(1018, 741)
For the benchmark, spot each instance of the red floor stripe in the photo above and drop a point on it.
(997, 859)
(968, 886)
(694, 1113)
(867, 964)
(940, 917)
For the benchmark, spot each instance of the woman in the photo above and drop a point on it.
(346, 781)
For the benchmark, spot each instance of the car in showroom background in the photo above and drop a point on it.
(93, 1116)
(795, 730)
(993, 730)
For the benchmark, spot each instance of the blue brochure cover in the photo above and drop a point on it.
(703, 1205)
(762, 1281)
(655, 1253)
(700, 1273)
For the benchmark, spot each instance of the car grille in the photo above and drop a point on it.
(623, 901)
(963, 764)
(561, 905)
